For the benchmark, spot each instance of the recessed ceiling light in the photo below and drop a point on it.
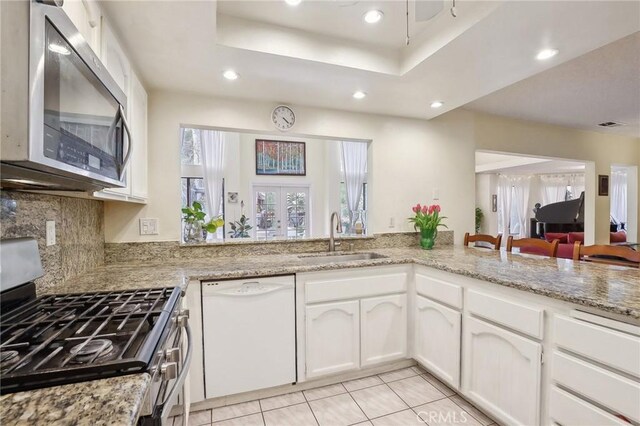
(436, 104)
(58, 48)
(546, 54)
(359, 95)
(373, 16)
(293, 2)
(230, 75)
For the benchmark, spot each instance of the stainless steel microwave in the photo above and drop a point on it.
(63, 121)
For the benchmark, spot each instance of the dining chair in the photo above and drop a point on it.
(611, 255)
(483, 238)
(544, 248)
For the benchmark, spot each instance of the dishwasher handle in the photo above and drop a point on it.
(247, 289)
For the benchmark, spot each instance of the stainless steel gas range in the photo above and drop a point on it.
(59, 339)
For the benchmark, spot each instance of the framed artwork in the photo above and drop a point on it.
(603, 185)
(281, 158)
(232, 197)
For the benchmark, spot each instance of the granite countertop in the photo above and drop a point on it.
(113, 401)
(606, 288)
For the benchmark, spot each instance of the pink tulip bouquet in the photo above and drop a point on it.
(427, 219)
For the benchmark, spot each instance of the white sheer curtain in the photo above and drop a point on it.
(212, 144)
(354, 167)
(553, 188)
(619, 195)
(520, 201)
(577, 183)
(504, 201)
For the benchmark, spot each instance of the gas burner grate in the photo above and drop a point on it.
(83, 336)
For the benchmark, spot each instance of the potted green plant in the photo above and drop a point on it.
(479, 217)
(240, 228)
(195, 225)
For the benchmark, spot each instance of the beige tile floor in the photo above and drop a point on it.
(409, 396)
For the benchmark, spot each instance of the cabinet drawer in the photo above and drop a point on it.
(609, 347)
(438, 290)
(617, 393)
(355, 287)
(519, 317)
(569, 410)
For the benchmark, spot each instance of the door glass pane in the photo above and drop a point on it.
(267, 223)
(296, 215)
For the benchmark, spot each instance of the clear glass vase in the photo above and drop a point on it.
(193, 232)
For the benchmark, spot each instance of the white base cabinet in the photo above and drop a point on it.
(437, 339)
(383, 322)
(333, 337)
(502, 372)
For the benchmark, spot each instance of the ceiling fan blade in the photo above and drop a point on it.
(427, 9)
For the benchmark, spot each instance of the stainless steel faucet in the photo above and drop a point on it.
(332, 241)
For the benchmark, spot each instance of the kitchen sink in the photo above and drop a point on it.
(339, 257)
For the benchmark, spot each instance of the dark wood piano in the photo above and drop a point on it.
(564, 216)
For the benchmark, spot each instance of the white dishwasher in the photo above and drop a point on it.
(249, 333)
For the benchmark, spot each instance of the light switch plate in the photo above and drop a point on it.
(51, 232)
(436, 194)
(148, 226)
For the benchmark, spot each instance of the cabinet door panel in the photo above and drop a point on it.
(383, 321)
(138, 122)
(502, 372)
(437, 339)
(333, 338)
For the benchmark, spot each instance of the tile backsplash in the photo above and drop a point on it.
(79, 231)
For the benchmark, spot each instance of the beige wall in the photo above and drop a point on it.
(410, 159)
(493, 133)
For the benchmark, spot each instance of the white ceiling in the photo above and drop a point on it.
(603, 85)
(488, 162)
(186, 45)
(342, 18)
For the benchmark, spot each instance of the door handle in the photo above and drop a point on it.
(127, 157)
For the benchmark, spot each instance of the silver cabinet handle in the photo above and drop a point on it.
(127, 157)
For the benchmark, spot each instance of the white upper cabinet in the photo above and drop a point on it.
(114, 58)
(138, 123)
(136, 171)
(502, 372)
(437, 339)
(383, 329)
(333, 338)
(86, 16)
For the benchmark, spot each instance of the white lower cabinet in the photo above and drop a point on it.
(437, 339)
(332, 337)
(502, 372)
(383, 324)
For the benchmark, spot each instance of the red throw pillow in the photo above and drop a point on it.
(618, 237)
(550, 236)
(576, 236)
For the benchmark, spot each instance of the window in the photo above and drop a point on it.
(344, 209)
(281, 212)
(193, 188)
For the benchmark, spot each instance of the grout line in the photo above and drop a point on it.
(470, 413)
(312, 413)
(359, 407)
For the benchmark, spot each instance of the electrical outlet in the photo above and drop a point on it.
(51, 232)
(149, 226)
(392, 222)
(436, 194)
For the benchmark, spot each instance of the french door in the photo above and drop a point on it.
(281, 212)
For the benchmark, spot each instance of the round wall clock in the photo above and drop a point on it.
(283, 118)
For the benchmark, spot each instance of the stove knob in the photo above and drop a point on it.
(169, 370)
(172, 354)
